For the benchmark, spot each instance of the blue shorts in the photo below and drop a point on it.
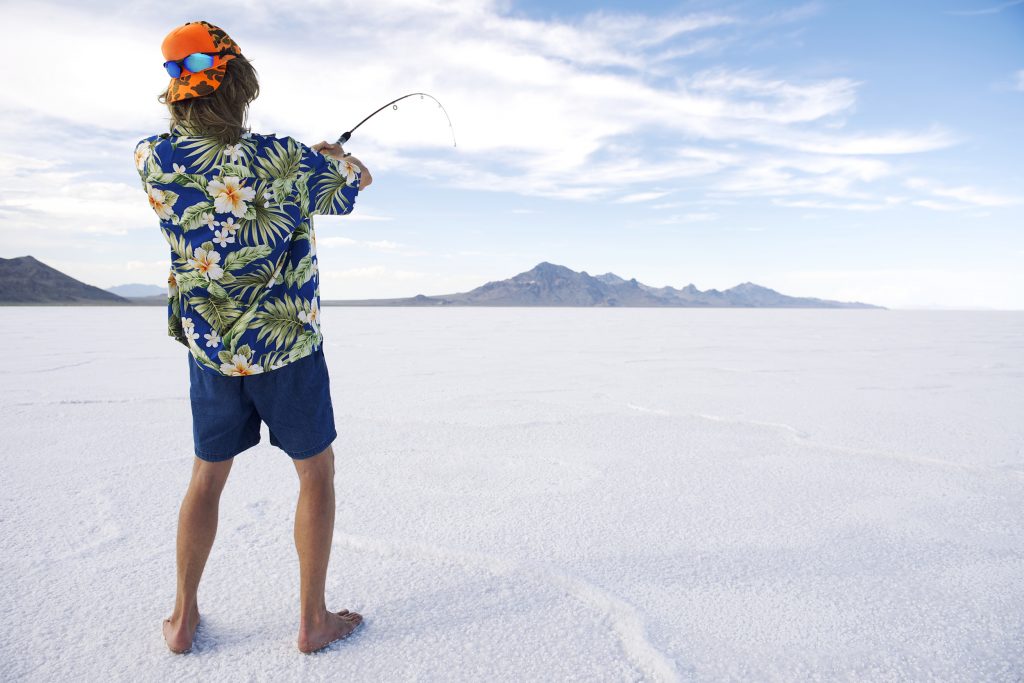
(294, 401)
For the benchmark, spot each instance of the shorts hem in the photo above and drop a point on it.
(209, 457)
(310, 452)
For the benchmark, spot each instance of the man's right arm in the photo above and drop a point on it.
(364, 176)
(335, 151)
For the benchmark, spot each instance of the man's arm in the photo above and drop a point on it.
(335, 151)
(364, 175)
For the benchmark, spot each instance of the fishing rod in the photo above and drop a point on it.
(394, 104)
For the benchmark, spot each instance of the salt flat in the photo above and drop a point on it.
(539, 494)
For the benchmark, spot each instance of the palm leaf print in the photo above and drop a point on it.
(269, 360)
(301, 273)
(238, 327)
(301, 232)
(237, 170)
(193, 216)
(330, 199)
(193, 180)
(237, 260)
(263, 224)
(189, 280)
(204, 153)
(261, 276)
(281, 162)
(201, 356)
(279, 322)
(182, 249)
(302, 192)
(304, 345)
(221, 312)
(153, 164)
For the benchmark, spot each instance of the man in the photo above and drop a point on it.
(243, 296)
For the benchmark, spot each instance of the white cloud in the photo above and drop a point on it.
(369, 272)
(690, 217)
(965, 193)
(992, 9)
(358, 216)
(386, 245)
(802, 174)
(339, 241)
(841, 206)
(603, 108)
(640, 197)
(536, 105)
(1018, 80)
(938, 206)
(71, 202)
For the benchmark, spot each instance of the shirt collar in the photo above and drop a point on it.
(182, 130)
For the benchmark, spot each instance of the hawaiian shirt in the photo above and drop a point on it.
(243, 293)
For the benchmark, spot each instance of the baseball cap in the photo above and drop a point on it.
(198, 36)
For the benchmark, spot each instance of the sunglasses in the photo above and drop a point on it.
(197, 61)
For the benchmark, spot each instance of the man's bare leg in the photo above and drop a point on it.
(314, 529)
(197, 527)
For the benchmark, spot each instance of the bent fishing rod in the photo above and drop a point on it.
(394, 105)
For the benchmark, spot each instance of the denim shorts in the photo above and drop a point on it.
(294, 401)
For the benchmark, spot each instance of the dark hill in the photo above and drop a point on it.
(25, 280)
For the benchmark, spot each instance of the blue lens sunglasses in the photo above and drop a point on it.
(197, 61)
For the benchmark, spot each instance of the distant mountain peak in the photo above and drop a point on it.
(548, 267)
(136, 289)
(27, 280)
(748, 287)
(609, 278)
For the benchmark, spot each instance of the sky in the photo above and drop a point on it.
(864, 151)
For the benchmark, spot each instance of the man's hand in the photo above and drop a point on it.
(329, 149)
(335, 151)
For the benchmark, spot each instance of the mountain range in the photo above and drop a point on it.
(549, 284)
(135, 290)
(25, 280)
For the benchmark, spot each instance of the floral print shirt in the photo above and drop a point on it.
(243, 293)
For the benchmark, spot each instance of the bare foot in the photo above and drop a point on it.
(335, 626)
(180, 632)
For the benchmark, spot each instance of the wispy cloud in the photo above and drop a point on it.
(993, 9)
(690, 217)
(967, 194)
(371, 272)
(340, 241)
(840, 206)
(537, 105)
(621, 110)
(640, 197)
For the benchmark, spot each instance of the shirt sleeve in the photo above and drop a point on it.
(331, 184)
(143, 154)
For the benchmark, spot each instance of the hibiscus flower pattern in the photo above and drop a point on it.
(205, 262)
(243, 292)
(230, 196)
(161, 202)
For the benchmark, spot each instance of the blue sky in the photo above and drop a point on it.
(858, 151)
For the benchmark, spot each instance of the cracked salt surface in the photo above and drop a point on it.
(531, 494)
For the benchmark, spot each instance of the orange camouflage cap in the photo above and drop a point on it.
(197, 36)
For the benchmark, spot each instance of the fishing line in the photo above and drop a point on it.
(394, 105)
